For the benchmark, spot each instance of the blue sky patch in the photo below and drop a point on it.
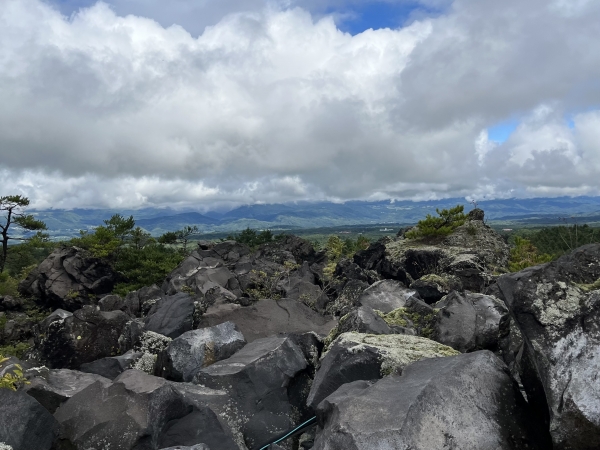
(500, 132)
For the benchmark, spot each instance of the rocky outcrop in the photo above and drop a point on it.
(112, 366)
(68, 279)
(172, 315)
(465, 402)
(387, 295)
(67, 340)
(356, 356)
(469, 322)
(557, 308)
(24, 423)
(196, 349)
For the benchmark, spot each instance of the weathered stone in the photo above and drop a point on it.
(258, 379)
(557, 308)
(24, 423)
(68, 340)
(387, 295)
(57, 386)
(269, 317)
(196, 349)
(69, 278)
(112, 366)
(361, 320)
(171, 315)
(355, 356)
(465, 402)
(468, 322)
(431, 288)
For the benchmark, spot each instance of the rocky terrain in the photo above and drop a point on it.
(412, 344)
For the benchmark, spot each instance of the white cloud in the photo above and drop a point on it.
(276, 104)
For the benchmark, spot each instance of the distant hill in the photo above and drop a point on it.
(67, 223)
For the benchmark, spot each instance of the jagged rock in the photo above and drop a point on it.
(468, 322)
(349, 270)
(259, 379)
(141, 301)
(136, 411)
(465, 402)
(375, 258)
(355, 356)
(18, 328)
(387, 295)
(557, 308)
(344, 300)
(69, 279)
(268, 317)
(112, 366)
(65, 340)
(196, 349)
(193, 447)
(361, 320)
(57, 386)
(24, 423)
(9, 303)
(128, 305)
(431, 288)
(171, 315)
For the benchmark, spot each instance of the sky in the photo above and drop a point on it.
(217, 103)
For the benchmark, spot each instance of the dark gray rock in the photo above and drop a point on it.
(69, 278)
(468, 322)
(171, 315)
(557, 308)
(130, 413)
(269, 317)
(196, 349)
(259, 379)
(66, 340)
(360, 320)
(24, 423)
(57, 386)
(355, 356)
(112, 366)
(9, 303)
(431, 288)
(129, 305)
(184, 447)
(141, 301)
(387, 295)
(465, 402)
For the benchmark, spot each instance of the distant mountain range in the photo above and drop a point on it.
(67, 223)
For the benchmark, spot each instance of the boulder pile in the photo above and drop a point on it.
(412, 344)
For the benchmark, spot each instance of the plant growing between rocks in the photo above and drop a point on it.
(446, 223)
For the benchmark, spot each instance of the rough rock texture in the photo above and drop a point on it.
(196, 349)
(112, 366)
(268, 317)
(137, 411)
(361, 320)
(260, 380)
(432, 288)
(69, 278)
(387, 295)
(171, 315)
(57, 386)
(557, 308)
(466, 402)
(24, 423)
(355, 356)
(66, 340)
(468, 322)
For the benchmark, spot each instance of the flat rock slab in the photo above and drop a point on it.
(270, 317)
(387, 295)
(465, 402)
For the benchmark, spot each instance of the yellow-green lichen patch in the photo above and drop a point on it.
(589, 287)
(406, 317)
(397, 350)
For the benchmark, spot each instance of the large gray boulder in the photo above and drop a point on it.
(557, 308)
(196, 349)
(465, 402)
(24, 423)
(468, 322)
(57, 386)
(137, 411)
(69, 278)
(172, 315)
(112, 366)
(260, 381)
(387, 295)
(356, 356)
(65, 340)
(269, 317)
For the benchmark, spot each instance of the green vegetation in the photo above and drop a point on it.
(12, 380)
(337, 248)
(557, 241)
(525, 254)
(446, 223)
(252, 238)
(18, 349)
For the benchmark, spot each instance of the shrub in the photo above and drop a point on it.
(12, 380)
(525, 254)
(446, 223)
(252, 238)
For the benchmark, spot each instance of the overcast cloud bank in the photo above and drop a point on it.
(277, 105)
